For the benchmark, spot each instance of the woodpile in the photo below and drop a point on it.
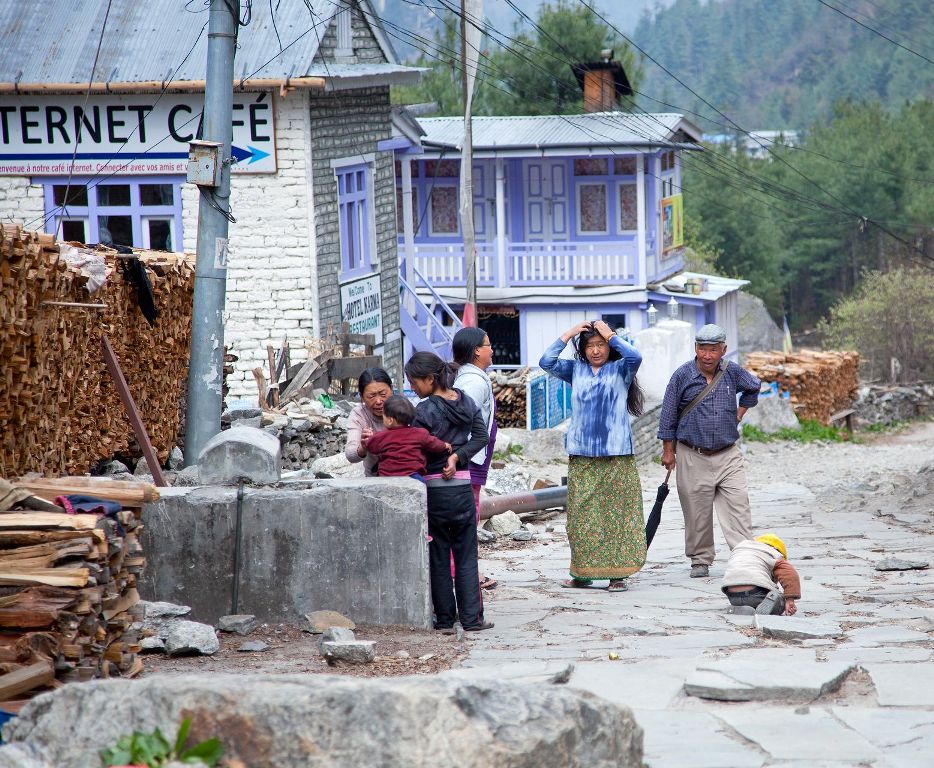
(68, 589)
(819, 383)
(59, 411)
(509, 391)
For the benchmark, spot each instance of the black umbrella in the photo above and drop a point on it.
(655, 516)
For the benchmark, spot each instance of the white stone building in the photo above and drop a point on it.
(313, 189)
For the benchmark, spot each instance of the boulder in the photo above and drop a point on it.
(163, 610)
(312, 721)
(190, 637)
(176, 459)
(317, 622)
(243, 453)
(188, 476)
(757, 329)
(337, 466)
(505, 524)
(114, 468)
(337, 634)
(771, 415)
(354, 651)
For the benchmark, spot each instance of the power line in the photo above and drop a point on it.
(875, 31)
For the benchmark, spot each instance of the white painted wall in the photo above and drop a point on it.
(543, 326)
(21, 202)
(664, 348)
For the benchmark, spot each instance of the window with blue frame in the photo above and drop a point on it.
(143, 212)
(354, 215)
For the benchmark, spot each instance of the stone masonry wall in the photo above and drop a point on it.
(346, 124)
(270, 276)
(22, 202)
(644, 430)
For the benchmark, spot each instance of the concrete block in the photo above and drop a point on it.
(354, 546)
(245, 453)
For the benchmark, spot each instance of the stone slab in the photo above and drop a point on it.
(900, 564)
(814, 735)
(679, 739)
(903, 685)
(242, 452)
(354, 651)
(549, 672)
(888, 727)
(768, 674)
(238, 623)
(851, 654)
(890, 635)
(646, 684)
(791, 628)
(354, 546)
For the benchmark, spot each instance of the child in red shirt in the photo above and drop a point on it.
(401, 448)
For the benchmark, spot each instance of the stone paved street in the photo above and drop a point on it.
(849, 681)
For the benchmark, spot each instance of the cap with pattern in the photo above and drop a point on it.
(710, 334)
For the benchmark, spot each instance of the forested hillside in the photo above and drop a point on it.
(784, 64)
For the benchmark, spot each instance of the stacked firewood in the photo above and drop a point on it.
(59, 410)
(68, 588)
(819, 383)
(509, 389)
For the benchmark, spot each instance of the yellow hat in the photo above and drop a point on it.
(773, 541)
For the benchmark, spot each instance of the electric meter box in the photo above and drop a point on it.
(204, 165)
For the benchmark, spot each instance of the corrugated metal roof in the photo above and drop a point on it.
(53, 41)
(603, 129)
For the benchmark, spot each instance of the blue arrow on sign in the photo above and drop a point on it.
(252, 153)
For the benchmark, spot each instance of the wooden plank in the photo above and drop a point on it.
(79, 522)
(26, 679)
(129, 494)
(53, 577)
(308, 368)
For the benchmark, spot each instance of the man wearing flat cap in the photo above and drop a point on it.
(699, 430)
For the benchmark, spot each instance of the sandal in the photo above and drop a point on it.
(617, 585)
(488, 582)
(573, 583)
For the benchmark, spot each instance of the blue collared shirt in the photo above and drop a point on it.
(599, 419)
(711, 424)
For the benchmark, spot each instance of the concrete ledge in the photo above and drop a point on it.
(354, 546)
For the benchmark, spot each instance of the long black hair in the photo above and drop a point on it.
(370, 375)
(464, 346)
(635, 398)
(423, 365)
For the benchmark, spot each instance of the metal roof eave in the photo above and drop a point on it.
(552, 150)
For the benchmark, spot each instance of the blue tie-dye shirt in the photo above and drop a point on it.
(599, 419)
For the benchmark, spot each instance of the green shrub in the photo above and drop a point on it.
(810, 432)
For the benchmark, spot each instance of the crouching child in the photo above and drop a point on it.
(759, 575)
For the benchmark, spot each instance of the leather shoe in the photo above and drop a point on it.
(699, 571)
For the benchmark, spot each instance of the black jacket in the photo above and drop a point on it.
(458, 422)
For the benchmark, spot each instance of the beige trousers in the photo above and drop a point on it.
(706, 483)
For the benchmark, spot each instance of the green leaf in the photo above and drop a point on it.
(115, 756)
(182, 735)
(209, 751)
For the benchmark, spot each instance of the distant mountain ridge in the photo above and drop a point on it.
(782, 65)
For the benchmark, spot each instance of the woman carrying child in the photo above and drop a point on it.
(454, 418)
(605, 526)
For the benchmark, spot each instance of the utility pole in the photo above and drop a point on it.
(466, 185)
(206, 362)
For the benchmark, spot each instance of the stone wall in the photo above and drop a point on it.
(644, 430)
(22, 202)
(879, 404)
(343, 125)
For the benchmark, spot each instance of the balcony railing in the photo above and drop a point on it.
(532, 264)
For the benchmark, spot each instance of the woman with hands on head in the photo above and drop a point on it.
(604, 508)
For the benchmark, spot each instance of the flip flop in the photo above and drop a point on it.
(617, 585)
(488, 583)
(577, 583)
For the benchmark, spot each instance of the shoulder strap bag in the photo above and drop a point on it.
(703, 393)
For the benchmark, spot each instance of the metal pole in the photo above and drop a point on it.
(470, 246)
(206, 362)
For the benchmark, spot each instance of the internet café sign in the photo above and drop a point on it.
(125, 134)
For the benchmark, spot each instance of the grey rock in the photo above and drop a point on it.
(757, 329)
(163, 610)
(241, 413)
(254, 422)
(791, 628)
(522, 535)
(114, 468)
(485, 536)
(771, 415)
(153, 643)
(253, 646)
(766, 674)
(542, 446)
(337, 634)
(354, 651)
(897, 564)
(184, 637)
(336, 465)
(188, 476)
(142, 469)
(318, 622)
(510, 479)
(320, 720)
(504, 524)
(238, 623)
(176, 459)
(242, 453)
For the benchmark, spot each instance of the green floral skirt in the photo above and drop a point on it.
(605, 526)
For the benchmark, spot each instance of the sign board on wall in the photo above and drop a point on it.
(126, 134)
(362, 306)
(672, 223)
